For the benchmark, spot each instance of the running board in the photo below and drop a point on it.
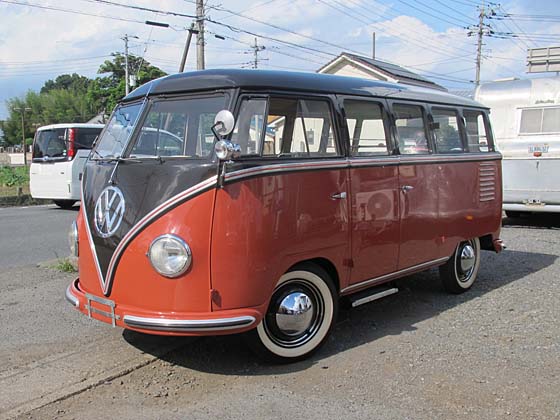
(371, 295)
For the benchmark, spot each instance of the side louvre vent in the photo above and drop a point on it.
(487, 181)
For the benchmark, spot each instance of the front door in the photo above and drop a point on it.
(374, 199)
(418, 187)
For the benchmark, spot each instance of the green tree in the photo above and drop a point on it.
(110, 89)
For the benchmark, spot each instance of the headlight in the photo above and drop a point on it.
(170, 255)
(73, 239)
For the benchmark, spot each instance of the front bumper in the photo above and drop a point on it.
(218, 322)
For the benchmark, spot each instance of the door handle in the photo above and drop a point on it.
(339, 196)
(406, 188)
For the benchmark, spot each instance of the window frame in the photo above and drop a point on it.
(334, 113)
(425, 119)
(461, 127)
(385, 115)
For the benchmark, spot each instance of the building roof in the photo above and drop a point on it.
(390, 71)
(216, 79)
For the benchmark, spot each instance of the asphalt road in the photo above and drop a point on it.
(491, 353)
(30, 235)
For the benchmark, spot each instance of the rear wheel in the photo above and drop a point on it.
(459, 272)
(301, 313)
(64, 204)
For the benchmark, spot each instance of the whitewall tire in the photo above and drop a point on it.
(459, 272)
(300, 315)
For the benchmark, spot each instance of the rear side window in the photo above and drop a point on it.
(411, 130)
(50, 144)
(477, 138)
(85, 137)
(366, 129)
(285, 127)
(446, 131)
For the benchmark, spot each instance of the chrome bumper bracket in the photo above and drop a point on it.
(102, 301)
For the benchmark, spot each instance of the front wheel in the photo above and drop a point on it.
(459, 272)
(300, 315)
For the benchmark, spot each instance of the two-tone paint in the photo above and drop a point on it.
(365, 221)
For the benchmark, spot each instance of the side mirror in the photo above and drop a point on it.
(224, 123)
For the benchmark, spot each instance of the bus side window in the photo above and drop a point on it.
(477, 138)
(249, 126)
(366, 129)
(411, 131)
(299, 128)
(446, 131)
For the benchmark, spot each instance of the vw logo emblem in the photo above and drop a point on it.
(109, 211)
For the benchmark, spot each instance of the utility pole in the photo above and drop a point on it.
(256, 50)
(200, 35)
(24, 147)
(479, 42)
(481, 30)
(373, 48)
(191, 31)
(125, 38)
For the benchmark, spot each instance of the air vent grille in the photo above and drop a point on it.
(487, 181)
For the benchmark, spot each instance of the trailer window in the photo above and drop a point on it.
(477, 138)
(411, 130)
(366, 129)
(540, 120)
(446, 131)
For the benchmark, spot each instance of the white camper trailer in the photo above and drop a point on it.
(525, 117)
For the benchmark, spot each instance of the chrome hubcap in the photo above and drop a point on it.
(294, 314)
(467, 258)
(466, 261)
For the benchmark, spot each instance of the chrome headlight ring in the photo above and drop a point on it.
(170, 255)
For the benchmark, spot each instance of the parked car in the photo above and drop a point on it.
(59, 155)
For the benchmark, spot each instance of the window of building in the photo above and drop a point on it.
(411, 130)
(366, 129)
(446, 131)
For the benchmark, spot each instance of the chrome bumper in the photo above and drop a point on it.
(188, 325)
(71, 298)
(160, 324)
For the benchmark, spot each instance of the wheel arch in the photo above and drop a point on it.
(326, 265)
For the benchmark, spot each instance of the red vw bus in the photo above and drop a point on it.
(230, 201)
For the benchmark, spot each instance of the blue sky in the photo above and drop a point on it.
(427, 36)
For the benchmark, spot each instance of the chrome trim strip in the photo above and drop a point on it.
(375, 296)
(376, 280)
(286, 167)
(71, 298)
(188, 325)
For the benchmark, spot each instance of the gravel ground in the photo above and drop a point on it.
(492, 353)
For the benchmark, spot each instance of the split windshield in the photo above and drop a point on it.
(178, 127)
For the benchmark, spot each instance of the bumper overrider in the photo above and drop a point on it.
(217, 322)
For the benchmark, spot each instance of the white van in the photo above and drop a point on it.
(59, 154)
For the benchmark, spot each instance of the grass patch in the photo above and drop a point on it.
(65, 265)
